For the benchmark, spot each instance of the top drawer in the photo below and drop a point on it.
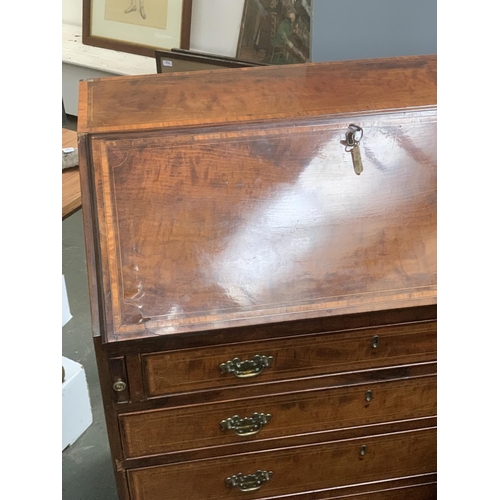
(199, 369)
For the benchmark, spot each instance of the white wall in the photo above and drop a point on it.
(215, 26)
(72, 12)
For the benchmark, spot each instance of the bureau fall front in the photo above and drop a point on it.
(261, 250)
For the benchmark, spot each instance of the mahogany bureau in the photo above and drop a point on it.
(261, 248)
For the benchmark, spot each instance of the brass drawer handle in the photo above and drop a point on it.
(252, 482)
(247, 368)
(247, 426)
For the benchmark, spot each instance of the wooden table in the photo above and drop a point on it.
(71, 195)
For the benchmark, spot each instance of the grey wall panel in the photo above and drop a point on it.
(362, 29)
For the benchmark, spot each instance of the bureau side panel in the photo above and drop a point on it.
(89, 229)
(107, 379)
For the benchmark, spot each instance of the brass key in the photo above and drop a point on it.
(353, 137)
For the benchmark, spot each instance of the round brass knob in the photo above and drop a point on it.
(119, 386)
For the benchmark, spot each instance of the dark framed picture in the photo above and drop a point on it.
(275, 31)
(137, 26)
(172, 61)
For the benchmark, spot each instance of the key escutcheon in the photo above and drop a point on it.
(353, 137)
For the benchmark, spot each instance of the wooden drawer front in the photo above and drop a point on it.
(199, 369)
(294, 470)
(417, 492)
(199, 426)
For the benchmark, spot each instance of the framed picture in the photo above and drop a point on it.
(275, 31)
(172, 61)
(137, 26)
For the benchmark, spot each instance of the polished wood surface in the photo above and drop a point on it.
(414, 492)
(71, 193)
(224, 221)
(256, 94)
(198, 426)
(298, 440)
(294, 234)
(294, 470)
(199, 369)
(69, 138)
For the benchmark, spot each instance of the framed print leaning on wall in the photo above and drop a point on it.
(276, 31)
(137, 26)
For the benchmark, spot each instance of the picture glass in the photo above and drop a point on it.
(276, 31)
(154, 23)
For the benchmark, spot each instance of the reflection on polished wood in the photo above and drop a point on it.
(71, 196)
(242, 265)
(246, 224)
(271, 224)
(173, 429)
(177, 371)
(311, 468)
(224, 96)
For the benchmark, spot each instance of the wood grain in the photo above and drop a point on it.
(298, 440)
(198, 426)
(267, 224)
(223, 218)
(295, 470)
(257, 94)
(426, 491)
(199, 369)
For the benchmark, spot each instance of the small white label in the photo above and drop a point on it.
(68, 150)
(167, 63)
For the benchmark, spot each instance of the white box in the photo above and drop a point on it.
(76, 410)
(66, 313)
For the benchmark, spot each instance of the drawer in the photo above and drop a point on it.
(198, 369)
(293, 470)
(414, 492)
(278, 416)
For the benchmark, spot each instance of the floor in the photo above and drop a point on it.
(87, 472)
